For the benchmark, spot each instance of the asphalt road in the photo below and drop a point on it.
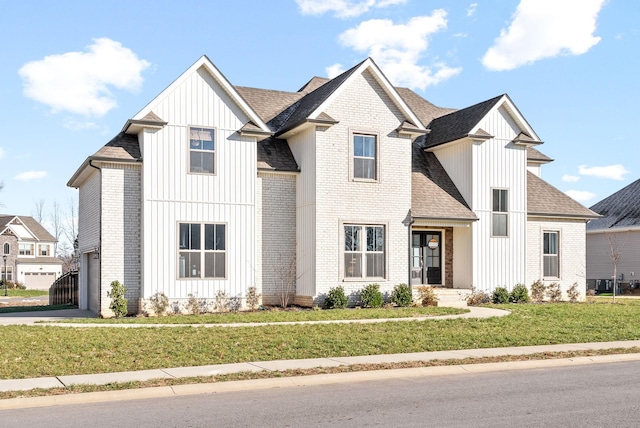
(599, 395)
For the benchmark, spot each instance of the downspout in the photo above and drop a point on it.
(410, 229)
(99, 243)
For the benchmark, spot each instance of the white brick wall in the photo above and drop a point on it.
(572, 252)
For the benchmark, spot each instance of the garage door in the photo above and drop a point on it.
(93, 279)
(39, 280)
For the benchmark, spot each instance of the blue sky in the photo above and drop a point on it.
(74, 71)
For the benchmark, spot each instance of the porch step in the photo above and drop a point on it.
(452, 297)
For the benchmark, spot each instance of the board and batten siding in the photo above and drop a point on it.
(572, 254)
(457, 161)
(172, 195)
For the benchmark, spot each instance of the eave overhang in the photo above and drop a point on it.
(82, 172)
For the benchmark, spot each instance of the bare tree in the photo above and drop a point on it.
(38, 211)
(70, 230)
(56, 223)
(615, 253)
(286, 277)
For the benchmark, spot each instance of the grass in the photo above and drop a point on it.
(280, 316)
(33, 351)
(16, 292)
(38, 308)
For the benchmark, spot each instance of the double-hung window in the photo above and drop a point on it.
(45, 250)
(550, 255)
(364, 251)
(25, 249)
(499, 214)
(7, 273)
(202, 153)
(202, 250)
(7, 248)
(364, 157)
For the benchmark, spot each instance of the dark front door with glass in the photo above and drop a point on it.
(426, 260)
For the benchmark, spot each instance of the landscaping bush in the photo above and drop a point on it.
(159, 303)
(253, 298)
(478, 297)
(519, 294)
(401, 295)
(426, 296)
(336, 299)
(10, 285)
(573, 293)
(221, 303)
(371, 296)
(118, 302)
(500, 296)
(195, 306)
(554, 292)
(538, 291)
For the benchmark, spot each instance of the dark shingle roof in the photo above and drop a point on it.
(537, 156)
(122, 146)
(621, 209)
(458, 124)
(433, 194)
(545, 200)
(425, 110)
(275, 155)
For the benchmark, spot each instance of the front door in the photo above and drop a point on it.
(426, 260)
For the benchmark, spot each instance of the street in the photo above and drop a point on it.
(595, 395)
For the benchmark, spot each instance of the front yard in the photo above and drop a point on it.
(33, 351)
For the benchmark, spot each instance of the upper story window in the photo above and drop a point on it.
(202, 250)
(550, 259)
(25, 249)
(44, 250)
(364, 156)
(7, 248)
(500, 209)
(202, 153)
(364, 251)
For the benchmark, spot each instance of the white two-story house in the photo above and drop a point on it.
(350, 181)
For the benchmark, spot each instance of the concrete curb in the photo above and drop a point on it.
(299, 381)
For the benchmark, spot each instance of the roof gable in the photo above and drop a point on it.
(25, 228)
(618, 210)
(207, 65)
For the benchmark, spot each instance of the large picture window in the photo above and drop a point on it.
(364, 251)
(364, 156)
(499, 215)
(550, 255)
(202, 250)
(202, 153)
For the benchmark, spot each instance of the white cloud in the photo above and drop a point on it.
(580, 195)
(471, 10)
(570, 178)
(3, 153)
(544, 29)
(80, 82)
(334, 70)
(343, 8)
(30, 175)
(398, 49)
(613, 172)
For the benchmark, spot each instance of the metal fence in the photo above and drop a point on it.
(65, 290)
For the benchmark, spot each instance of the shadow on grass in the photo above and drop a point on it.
(38, 308)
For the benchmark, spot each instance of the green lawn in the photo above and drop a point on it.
(32, 351)
(39, 308)
(280, 316)
(24, 293)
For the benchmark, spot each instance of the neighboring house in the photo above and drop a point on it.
(616, 233)
(30, 252)
(350, 181)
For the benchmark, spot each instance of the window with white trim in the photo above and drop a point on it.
(364, 251)
(499, 214)
(7, 248)
(9, 273)
(364, 156)
(25, 249)
(550, 255)
(44, 249)
(202, 250)
(202, 153)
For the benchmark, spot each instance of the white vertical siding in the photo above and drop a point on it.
(457, 161)
(171, 195)
(462, 257)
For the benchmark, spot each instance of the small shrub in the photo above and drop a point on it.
(591, 292)
(371, 296)
(500, 296)
(336, 299)
(118, 302)
(253, 298)
(573, 293)
(519, 294)
(159, 303)
(554, 293)
(538, 291)
(426, 296)
(10, 285)
(401, 295)
(235, 303)
(194, 305)
(478, 297)
(221, 303)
